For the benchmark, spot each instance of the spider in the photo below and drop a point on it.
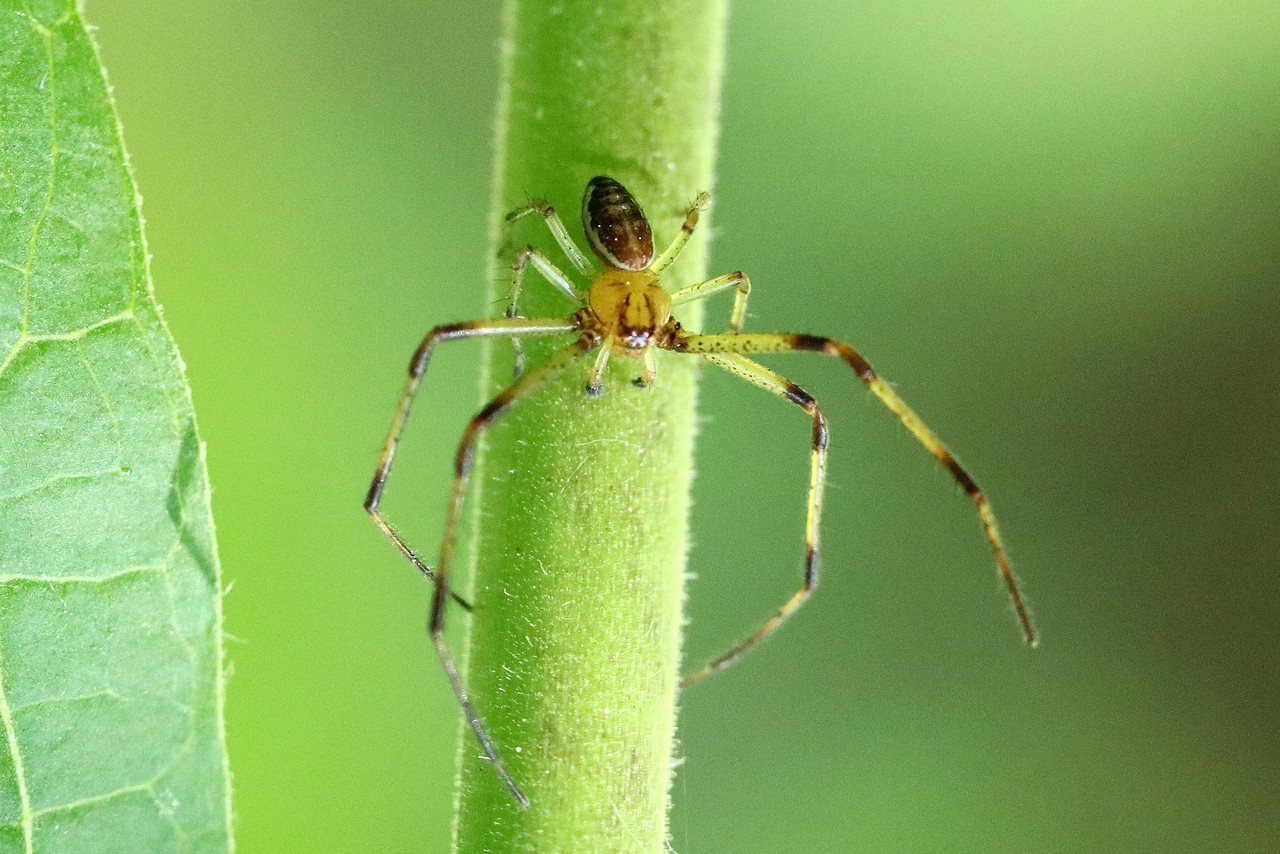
(626, 313)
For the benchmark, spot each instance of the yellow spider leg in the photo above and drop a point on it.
(417, 367)
(526, 256)
(515, 392)
(686, 231)
(781, 386)
(558, 231)
(595, 380)
(650, 371)
(784, 343)
(737, 280)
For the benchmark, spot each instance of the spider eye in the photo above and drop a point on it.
(615, 225)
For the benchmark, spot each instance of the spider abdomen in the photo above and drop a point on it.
(615, 225)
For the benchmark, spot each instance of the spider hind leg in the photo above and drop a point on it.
(773, 382)
(774, 342)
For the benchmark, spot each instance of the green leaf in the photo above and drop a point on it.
(110, 617)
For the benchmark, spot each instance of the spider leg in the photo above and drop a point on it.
(781, 386)
(595, 380)
(650, 371)
(701, 290)
(526, 256)
(558, 231)
(417, 367)
(785, 343)
(514, 393)
(686, 231)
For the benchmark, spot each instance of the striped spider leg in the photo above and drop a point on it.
(462, 466)
(727, 352)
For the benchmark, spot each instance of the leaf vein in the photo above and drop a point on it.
(106, 402)
(71, 335)
(78, 579)
(107, 693)
(19, 770)
(6, 714)
(55, 479)
(40, 218)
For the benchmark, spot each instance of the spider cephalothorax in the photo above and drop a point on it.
(626, 311)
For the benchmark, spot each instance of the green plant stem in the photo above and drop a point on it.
(580, 503)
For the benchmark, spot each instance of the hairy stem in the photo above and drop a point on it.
(580, 504)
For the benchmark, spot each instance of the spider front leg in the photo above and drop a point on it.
(557, 229)
(517, 391)
(595, 379)
(705, 289)
(664, 260)
(418, 367)
(784, 388)
(783, 343)
(542, 264)
(526, 256)
(650, 371)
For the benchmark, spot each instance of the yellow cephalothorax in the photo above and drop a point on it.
(631, 307)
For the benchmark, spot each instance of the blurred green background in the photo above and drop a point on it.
(1056, 227)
